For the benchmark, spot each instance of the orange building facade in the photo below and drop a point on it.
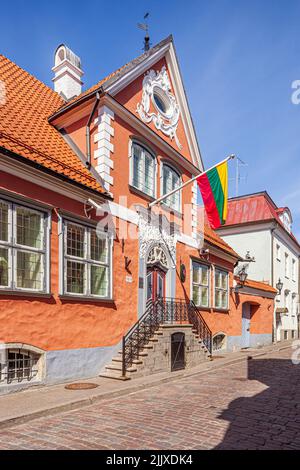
(81, 254)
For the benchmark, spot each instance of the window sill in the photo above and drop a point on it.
(86, 299)
(18, 293)
(141, 193)
(220, 310)
(204, 309)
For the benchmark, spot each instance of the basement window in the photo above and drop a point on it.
(18, 365)
(219, 342)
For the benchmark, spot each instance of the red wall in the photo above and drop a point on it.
(59, 324)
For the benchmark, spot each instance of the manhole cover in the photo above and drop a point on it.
(81, 386)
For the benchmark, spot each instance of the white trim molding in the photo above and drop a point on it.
(103, 153)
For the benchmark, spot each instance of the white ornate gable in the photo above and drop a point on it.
(157, 89)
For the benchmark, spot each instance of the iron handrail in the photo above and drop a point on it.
(159, 312)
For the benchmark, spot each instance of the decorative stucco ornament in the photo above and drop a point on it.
(151, 236)
(157, 88)
(157, 256)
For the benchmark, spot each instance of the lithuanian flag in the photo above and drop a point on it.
(213, 186)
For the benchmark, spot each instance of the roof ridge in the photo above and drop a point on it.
(112, 75)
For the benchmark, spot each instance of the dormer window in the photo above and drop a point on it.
(286, 219)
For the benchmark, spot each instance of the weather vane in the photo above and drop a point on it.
(145, 27)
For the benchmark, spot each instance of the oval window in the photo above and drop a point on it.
(161, 101)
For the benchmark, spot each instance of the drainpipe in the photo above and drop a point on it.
(272, 284)
(88, 131)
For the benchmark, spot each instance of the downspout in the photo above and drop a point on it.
(274, 335)
(88, 131)
(272, 256)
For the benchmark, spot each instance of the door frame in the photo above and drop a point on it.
(246, 323)
(181, 345)
(158, 271)
(170, 281)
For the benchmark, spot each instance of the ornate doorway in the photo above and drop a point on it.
(157, 267)
(156, 283)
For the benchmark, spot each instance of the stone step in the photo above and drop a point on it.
(141, 353)
(118, 367)
(114, 377)
(119, 359)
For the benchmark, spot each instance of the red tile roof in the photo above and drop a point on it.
(258, 285)
(213, 238)
(257, 207)
(252, 208)
(24, 126)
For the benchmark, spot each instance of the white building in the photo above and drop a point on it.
(256, 227)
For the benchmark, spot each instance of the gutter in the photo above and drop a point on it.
(43, 169)
(88, 132)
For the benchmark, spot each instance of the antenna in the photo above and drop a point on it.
(238, 178)
(145, 27)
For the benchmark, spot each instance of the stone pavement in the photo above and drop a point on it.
(48, 400)
(250, 404)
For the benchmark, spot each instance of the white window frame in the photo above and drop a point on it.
(14, 247)
(194, 262)
(177, 172)
(144, 148)
(222, 270)
(293, 269)
(286, 265)
(278, 252)
(87, 261)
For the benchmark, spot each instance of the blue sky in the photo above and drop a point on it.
(238, 59)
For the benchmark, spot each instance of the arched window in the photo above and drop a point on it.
(171, 180)
(143, 169)
(219, 342)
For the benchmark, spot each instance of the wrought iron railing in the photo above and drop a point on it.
(160, 312)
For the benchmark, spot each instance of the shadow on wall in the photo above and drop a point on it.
(271, 419)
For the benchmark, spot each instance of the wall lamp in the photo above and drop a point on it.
(242, 276)
(279, 286)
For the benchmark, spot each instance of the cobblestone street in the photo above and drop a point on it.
(251, 405)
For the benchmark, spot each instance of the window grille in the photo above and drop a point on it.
(200, 285)
(170, 181)
(219, 342)
(23, 248)
(87, 261)
(19, 365)
(221, 289)
(143, 170)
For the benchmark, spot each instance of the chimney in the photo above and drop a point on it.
(67, 73)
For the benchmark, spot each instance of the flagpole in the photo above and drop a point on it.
(157, 201)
